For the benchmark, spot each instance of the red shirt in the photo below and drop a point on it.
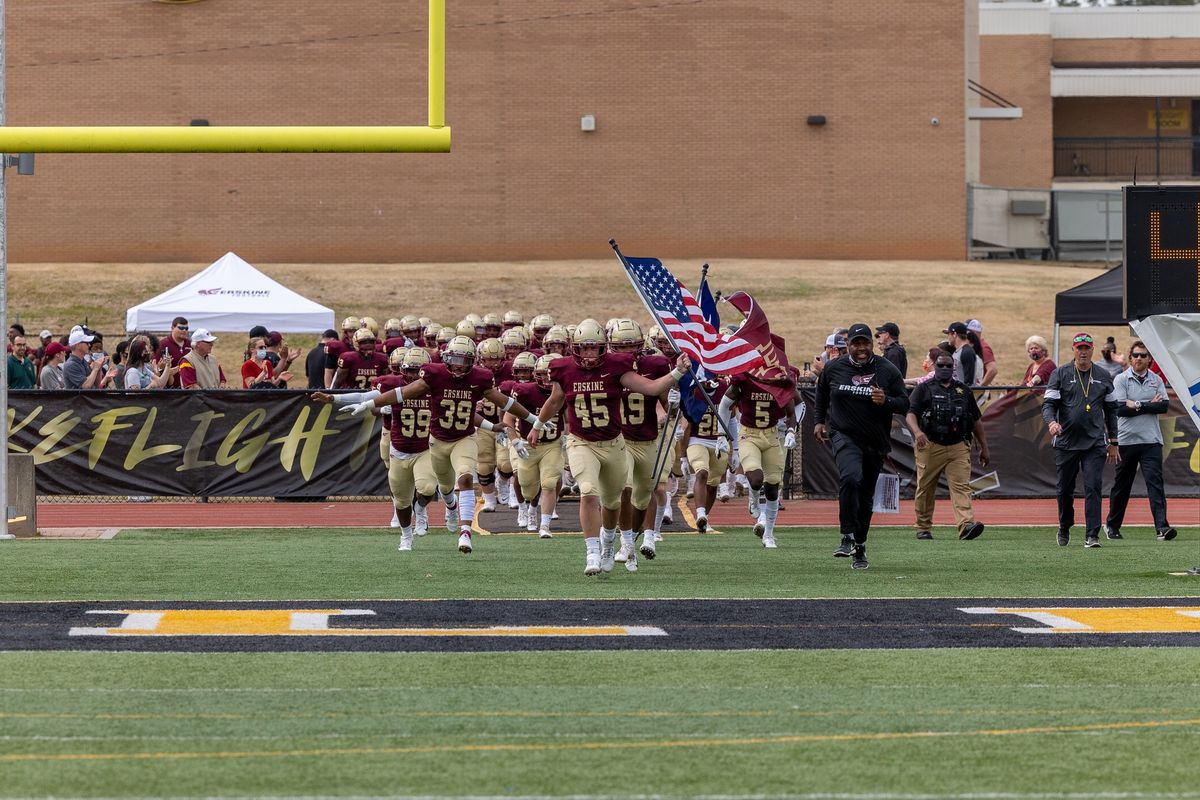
(362, 369)
(533, 397)
(251, 372)
(639, 415)
(410, 419)
(757, 407)
(453, 399)
(177, 352)
(1043, 369)
(593, 396)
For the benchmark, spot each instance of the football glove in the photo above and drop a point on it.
(521, 448)
(358, 409)
(789, 441)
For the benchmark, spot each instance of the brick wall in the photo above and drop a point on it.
(1126, 51)
(701, 147)
(1018, 153)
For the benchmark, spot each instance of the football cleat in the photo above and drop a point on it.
(531, 524)
(464, 542)
(760, 526)
(768, 541)
(544, 533)
(723, 493)
(592, 566)
(701, 523)
(405, 541)
(667, 518)
(631, 562)
(648, 548)
(522, 516)
(452, 518)
(623, 554)
(489, 503)
(420, 520)
(608, 555)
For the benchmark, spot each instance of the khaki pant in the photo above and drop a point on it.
(760, 449)
(707, 458)
(955, 461)
(541, 470)
(406, 475)
(599, 468)
(489, 455)
(452, 460)
(643, 468)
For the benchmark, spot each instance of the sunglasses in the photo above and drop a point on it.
(181, 327)
(1139, 355)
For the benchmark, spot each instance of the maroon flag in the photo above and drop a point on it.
(775, 375)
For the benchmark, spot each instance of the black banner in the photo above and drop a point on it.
(1022, 458)
(172, 442)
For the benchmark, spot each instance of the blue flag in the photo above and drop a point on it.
(695, 406)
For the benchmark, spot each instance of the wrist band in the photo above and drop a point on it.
(486, 425)
(677, 374)
(509, 404)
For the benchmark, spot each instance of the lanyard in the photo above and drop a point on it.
(1085, 389)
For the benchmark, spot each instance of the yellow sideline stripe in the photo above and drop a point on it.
(690, 519)
(619, 745)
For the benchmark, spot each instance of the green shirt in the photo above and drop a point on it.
(21, 374)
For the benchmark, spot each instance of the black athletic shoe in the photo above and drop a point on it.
(1064, 537)
(972, 531)
(924, 535)
(1091, 540)
(845, 548)
(859, 557)
(1167, 534)
(1112, 533)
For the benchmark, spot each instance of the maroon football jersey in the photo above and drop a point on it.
(394, 342)
(487, 409)
(593, 396)
(409, 420)
(360, 369)
(532, 396)
(757, 407)
(452, 400)
(639, 413)
(708, 427)
(334, 350)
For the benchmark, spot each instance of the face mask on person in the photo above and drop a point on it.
(1036, 355)
(261, 354)
(943, 373)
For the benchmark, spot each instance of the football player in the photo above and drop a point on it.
(358, 367)
(707, 450)
(538, 327)
(514, 341)
(540, 465)
(591, 383)
(556, 341)
(759, 447)
(492, 450)
(430, 337)
(513, 319)
(334, 350)
(411, 327)
(393, 337)
(454, 388)
(493, 326)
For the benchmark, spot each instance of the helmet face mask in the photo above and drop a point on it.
(556, 340)
(459, 356)
(391, 328)
(541, 370)
(540, 325)
(588, 344)
(523, 366)
(493, 325)
(625, 336)
(413, 360)
(364, 341)
(514, 342)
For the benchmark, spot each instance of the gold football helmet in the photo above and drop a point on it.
(431, 332)
(492, 324)
(364, 341)
(351, 324)
(523, 366)
(459, 356)
(540, 324)
(444, 336)
(410, 325)
(541, 370)
(396, 359)
(491, 353)
(625, 336)
(392, 329)
(514, 341)
(413, 360)
(512, 319)
(556, 340)
(370, 324)
(465, 328)
(588, 343)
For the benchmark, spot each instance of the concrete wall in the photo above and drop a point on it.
(701, 147)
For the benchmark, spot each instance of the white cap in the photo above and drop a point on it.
(202, 335)
(975, 325)
(831, 340)
(77, 336)
(46, 334)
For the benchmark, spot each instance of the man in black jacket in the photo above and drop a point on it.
(856, 397)
(888, 337)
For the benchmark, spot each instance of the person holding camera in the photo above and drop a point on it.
(83, 369)
(943, 417)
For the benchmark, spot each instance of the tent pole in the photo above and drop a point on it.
(1056, 327)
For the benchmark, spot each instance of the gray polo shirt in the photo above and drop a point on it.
(75, 372)
(1139, 425)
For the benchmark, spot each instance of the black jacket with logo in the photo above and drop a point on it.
(844, 400)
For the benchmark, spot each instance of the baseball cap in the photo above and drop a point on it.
(257, 331)
(957, 327)
(45, 334)
(274, 339)
(891, 328)
(1082, 340)
(78, 335)
(975, 325)
(54, 348)
(202, 335)
(859, 330)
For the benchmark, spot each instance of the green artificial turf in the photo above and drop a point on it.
(363, 564)
(1002, 723)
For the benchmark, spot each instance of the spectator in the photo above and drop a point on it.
(143, 373)
(835, 348)
(965, 360)
(82, 369)
(175, 346)
(199, 369)
(51, 376)
(257, 366)
(14, 330)
(39, 356)
(1141, 396)
(1041, 366)
(314, 363)
(927, 364)
(258, 332)
(96, 348)
(887, 336)
(1111, 361)
(984, 351)
(943, 418)
(119, 365)
(1080, 411)
(281, 357)
(22, 373)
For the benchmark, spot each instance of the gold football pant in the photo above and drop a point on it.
(760, 449)
(599, 468)
(452, 460)
(406, 475)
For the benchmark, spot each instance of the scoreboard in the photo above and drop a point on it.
(1162, 250)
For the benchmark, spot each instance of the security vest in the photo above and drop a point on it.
(948, 419)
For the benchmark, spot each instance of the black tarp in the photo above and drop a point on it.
(1099, 301)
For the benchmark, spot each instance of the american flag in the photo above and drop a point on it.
(717, 352)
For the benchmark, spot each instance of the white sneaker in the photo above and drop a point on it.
(769, 541)
(395, 518)
(607, 556)
(701, 522)
(760, 525)
(631, 562)
(452, 518)
(667, 518)
(464, 542)
(420, 520)
(648, 549)
(657, 536)
(502, 491)
(593, 564)
(489, 502)
(753, 503)
(544, 533)
(522, 516)
(406, 541)
(723, 493)
(512, 500)
(553, 515)
(531, 524)
(622, 554)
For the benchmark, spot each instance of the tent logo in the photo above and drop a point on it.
(236, 292)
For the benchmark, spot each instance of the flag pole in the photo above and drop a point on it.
(649, 307)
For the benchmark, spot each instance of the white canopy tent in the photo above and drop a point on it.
(231, 295)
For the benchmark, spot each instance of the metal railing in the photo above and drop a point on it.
(1122, 156)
